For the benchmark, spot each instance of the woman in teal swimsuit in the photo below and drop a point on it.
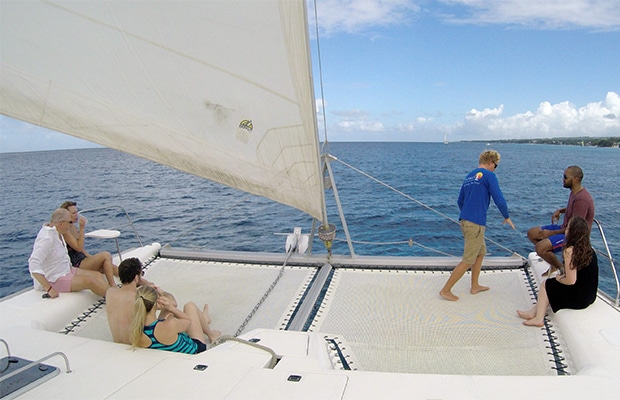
(182, 332)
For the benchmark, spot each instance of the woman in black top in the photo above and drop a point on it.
(578, 286)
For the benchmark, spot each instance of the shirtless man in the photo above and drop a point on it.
(120, 301)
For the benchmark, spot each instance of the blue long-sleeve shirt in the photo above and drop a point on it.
(475, 195)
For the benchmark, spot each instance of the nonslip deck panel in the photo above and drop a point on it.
(232, 292)
(391, 320)
(395, 321)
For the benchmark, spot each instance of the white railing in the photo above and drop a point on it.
(611, 263)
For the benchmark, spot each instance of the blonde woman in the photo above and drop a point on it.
(182, 332)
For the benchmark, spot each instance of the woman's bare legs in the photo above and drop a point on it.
(200, 323)
(101, 262)
(536, 315)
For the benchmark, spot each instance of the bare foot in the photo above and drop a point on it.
(213, 335)
(534, 322)
(526, 314)
(478, 289)
(548, 272)
(205, 312)
(448, 295)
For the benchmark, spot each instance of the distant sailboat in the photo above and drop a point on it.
(445, 139)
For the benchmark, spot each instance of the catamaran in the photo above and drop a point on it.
(224, 90)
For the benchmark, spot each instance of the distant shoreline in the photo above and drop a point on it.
(603, 141)
(612, 141)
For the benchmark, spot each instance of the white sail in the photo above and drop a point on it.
(220, 89)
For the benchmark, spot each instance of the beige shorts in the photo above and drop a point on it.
(474, 241)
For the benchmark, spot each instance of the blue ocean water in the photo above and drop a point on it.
(169, 206)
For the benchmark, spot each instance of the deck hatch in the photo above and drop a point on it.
(25, 380)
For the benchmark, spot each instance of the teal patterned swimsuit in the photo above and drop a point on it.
(184, 344)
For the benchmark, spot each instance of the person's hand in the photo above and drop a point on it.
(555, 218)
(53, 293)
(163, 303)
(82, 221)
(509, 222)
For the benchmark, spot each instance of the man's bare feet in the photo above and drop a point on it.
(478, 289)
(534, 322)
(526, 314)
(448, 295)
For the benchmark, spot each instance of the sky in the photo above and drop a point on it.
(421, 70)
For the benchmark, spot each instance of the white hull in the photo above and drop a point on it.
(225, 92)
(102, 369)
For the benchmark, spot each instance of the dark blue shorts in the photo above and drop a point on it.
(201, 346)
(557, 241)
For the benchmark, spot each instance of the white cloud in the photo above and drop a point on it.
(563, 119)
(353, 16)
(599, 14)
(476, 115)
(357, 121)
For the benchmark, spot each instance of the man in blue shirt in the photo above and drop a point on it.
(479, 187)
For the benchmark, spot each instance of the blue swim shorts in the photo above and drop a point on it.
(557, 241)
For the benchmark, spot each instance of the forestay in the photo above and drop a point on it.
(218, 89)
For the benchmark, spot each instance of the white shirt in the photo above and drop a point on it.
(49, 256)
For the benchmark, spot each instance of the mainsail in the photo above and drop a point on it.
(219, 89)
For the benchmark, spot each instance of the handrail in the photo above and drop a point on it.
(129, 223)
(37, 362)
(611, 262)
(8, 355)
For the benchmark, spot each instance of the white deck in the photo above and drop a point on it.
(388, 321)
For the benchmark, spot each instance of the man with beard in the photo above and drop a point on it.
(549, 239)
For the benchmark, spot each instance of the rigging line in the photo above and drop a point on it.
(318, 51)
(417, 201)
(396, 190)
(289, 253)
(409, 242)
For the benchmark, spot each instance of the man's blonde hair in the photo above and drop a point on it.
(489, 156)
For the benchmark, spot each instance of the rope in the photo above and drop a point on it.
(417, 202)
(265, 295)
(397, 191)
(225, 338)
(410, 242)
(318, 51)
